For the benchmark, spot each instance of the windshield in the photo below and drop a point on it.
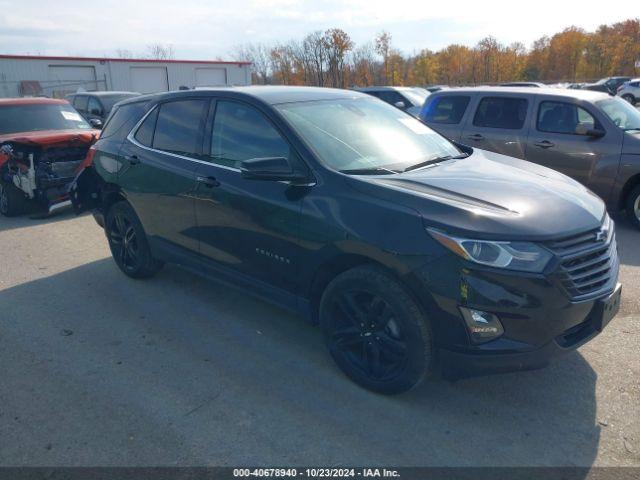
(110, 100)
(416, 95)
(36, 117)
(622, 113)
(364, 133)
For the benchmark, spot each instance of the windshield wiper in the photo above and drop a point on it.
(368, 171)
(435, 160)
(630, 129)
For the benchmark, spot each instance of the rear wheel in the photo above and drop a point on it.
(12, 200)
(629, 98)
(375, 331)
(633, 206)
(128, 242)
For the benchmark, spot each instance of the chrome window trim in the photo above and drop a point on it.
(134, 130)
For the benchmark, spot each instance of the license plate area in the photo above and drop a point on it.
(607, 308)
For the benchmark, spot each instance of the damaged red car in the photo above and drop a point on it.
(43, 143)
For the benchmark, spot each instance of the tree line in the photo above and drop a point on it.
(332, 59)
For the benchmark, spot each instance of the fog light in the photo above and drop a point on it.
(482, 326)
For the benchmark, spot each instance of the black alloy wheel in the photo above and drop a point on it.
(367, 334)
(375, 331)
(128, 242)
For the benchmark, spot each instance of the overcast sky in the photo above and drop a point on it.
(211, 29)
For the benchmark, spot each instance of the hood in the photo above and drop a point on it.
(491, 196)
(52, 138)
(631, 143)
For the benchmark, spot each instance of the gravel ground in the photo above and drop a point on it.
(98, 369)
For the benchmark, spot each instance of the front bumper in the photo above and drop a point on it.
(460, 364)
(540, 319)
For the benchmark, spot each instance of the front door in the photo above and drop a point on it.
(558, 140)
(159, 170)
(247, 226)
(499, 125)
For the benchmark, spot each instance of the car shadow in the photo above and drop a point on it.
(181, 370)
(29, 220)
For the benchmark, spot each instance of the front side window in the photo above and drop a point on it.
(501, 112)
(561, 117)
(37, 117)
(80, 103)
(447, 109)
(241, 132)
(361, 133)
(94, 107)
(623, 114)
(179, 126)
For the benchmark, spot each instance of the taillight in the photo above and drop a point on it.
(88, 159)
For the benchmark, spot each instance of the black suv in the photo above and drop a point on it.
(413, 253)
(95, 107)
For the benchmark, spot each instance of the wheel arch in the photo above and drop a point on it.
(628, 187)
(338, 264)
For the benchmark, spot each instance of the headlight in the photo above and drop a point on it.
(522, 256)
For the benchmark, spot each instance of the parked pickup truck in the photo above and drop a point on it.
(589, 136)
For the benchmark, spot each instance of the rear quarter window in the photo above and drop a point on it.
(448, 109)
(122, 120)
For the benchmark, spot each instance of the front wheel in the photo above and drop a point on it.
(633, 206)
(375, 331)
(128, 242)
(12, 200)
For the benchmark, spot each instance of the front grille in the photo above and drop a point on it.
(588, 261)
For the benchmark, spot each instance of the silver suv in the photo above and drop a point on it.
(630, 91)
(589, 136)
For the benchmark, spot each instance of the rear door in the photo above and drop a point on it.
(446, 114)
(557, 140)
(159, 161)
(499, 124)
(247, 226)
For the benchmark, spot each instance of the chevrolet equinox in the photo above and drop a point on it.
(414, 254)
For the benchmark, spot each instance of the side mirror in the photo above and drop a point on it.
(95, 123)
(401, 105)
(271, 168)
(596, 133)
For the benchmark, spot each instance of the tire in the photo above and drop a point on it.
(629, 98)
(128, 242)
(12, 200)
(633, 206)
(375, 331)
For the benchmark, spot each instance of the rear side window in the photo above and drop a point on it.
(122, 120)
(179, 126)
(501, 112)
(446, 109)
(144, 135)
(241, 132)
(561, 117)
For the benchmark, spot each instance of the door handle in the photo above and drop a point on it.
(208, 182)
(476, 136)
(544, 144)
(132, 159)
